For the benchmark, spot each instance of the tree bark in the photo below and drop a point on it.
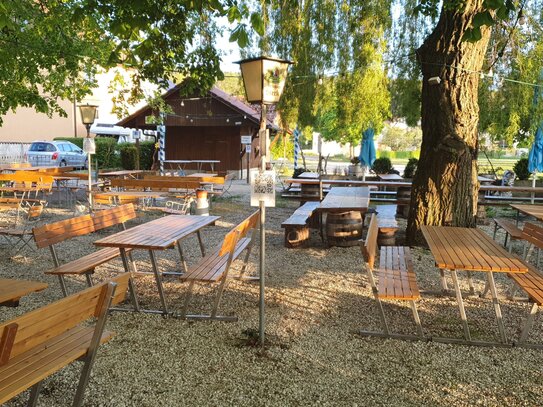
(445, 186)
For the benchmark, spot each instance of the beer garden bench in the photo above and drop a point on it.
(42, 342)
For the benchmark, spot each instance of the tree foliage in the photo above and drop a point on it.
(53, 49)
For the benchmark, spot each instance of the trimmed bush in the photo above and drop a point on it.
(106, 150)
(128, 155)
(521, 169)
(382, 165)
(410, 168)
(147, 149)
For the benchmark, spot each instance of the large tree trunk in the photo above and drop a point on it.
(445, 185)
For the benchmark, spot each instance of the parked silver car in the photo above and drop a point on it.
(56, 153)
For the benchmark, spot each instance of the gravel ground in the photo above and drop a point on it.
(317, 298)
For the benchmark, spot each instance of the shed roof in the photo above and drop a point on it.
(229, 100)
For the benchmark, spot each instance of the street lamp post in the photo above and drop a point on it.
(88, 114)
(264, 80)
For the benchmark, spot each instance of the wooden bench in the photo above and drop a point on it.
(155, 185)
(531, 282)
(396, 279)
(387, 223)
(42, 342)
(510, 229)
(215, 267)
(298, 224)
(51, 234)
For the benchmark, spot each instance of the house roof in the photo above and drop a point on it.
(234, 103)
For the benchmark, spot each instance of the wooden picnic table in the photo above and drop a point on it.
(159, 234)
(11, 290)
(390, 177)
(121, 173)
(531, 210)
(345, 199)
(309, 175)
(199, 163)
(470, 249)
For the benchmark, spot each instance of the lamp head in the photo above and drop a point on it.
(264, 78)
(88, 113)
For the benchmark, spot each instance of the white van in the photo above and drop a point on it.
(121, 134)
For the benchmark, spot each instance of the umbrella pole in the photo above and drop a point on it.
(533, 186)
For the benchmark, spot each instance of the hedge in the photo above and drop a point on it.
(111, 154)
(401, 155)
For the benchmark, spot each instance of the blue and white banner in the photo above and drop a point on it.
(296, 146)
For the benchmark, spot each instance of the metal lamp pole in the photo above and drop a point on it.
(88, 114)
(262, 306)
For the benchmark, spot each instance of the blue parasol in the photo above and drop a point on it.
(367, 149)
(535, 158)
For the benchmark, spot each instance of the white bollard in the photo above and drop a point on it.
(202, 205)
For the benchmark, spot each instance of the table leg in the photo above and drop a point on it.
(460, 301)
(131, 287)
(202, 248)
(183, 262)
(158, 279)
(497, 308)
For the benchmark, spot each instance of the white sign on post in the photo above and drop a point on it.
(263, 188)
(246, 139)
(248, 148)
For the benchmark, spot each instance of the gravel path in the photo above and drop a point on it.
(317, 298)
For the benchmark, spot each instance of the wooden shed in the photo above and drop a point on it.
(207, 128)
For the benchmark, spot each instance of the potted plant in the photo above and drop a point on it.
(355, 168)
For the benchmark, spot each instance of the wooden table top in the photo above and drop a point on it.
(120, 173)
(533, 210)
(202, 175)
(390, 177)
(456, 248)
(12, 290)
(343, 199)
(348, 182)
(309, 175)
(136, 194)
(159, 234)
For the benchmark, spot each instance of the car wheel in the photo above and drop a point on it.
(62, 164)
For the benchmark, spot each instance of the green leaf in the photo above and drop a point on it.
(257, 23)
(483, 18)
(502, 13)
(493, 4)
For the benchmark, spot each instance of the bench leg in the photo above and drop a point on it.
(378, 301)
(495, 231)
(62, 285)
(89, 277)
(417, 318)
(93, 346)
(528, 324)
(460, 301)
(34, 394)
(182, 256)
(127, 262)
(218, 298)
(187, 299)
(246, 259)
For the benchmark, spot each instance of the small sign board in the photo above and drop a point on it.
(89, 146)
(248, 148)
(246, 139)
(263, 188)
